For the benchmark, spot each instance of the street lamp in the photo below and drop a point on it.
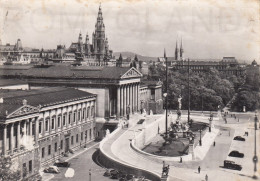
(166, 96)
(255, 160)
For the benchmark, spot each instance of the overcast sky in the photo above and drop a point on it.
(209, 29)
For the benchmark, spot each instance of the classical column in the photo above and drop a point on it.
(137, 97)
(11, 138)
(127, 98)
(121, 101)
(36, 133)
(130, 98)
(4, 139)
(124, 112)
(30, 124)
(18, 135)
(118, 102)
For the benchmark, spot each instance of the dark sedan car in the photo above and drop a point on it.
(239, 138)
(62, 164)
(236, 154)
(232, 165)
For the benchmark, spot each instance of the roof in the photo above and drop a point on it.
(7, 82)
(13, 99)
(66, 71)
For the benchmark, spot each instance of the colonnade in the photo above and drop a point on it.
(127, 99)
(15, 143)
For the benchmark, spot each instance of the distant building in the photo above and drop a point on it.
(17, 54)
(151, 96)
(228, 65)
(37, 126)
(99, 49)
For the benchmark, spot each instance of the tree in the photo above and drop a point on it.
(6, 171)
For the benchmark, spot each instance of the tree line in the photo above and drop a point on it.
(209, 90)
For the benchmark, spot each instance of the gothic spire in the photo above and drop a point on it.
(181, 50)
(176, 51)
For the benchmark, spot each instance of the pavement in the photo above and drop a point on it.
(212, 161)
(81, 162)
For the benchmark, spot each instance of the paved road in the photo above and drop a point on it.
(210, 165)
(79, 169)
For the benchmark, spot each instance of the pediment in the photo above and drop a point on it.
(24, 110)
(132, 73)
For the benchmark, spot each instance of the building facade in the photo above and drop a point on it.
(36, 131)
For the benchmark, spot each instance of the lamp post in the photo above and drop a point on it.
(166, 96)
(189, 92)
(255, 160)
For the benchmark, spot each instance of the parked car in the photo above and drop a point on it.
(239, 138)
(51, 169)
(236, 154)
(114, 174)
(232, 165)
(107, 173)
(62, 164)
(129, 176)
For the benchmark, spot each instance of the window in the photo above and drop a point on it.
(53, 123)
(55, 147)
(59, 119)
(92, 111)
(79, 115)
(30, 166)
(74, 116)
(64, 119)
(24, 170)
(61, 144)
(88, 112)
(47, 125)
(90, 132)
(77, 138)
(49, 149)
(70, 115)
(152, 94)
(83, 113)
(40, 127)
(81, 136)
(72, 140)
(43, 152)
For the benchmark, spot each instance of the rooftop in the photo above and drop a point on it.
(7, 82)
(64, 71)
(13, 99)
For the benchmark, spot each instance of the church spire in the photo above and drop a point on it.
(176, 51)
(181, 50)
(164, 53)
